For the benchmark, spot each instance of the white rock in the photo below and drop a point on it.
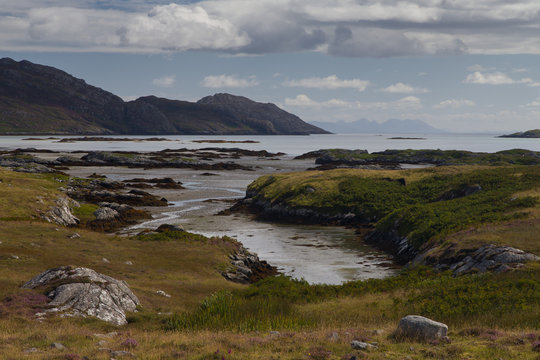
(419, 327)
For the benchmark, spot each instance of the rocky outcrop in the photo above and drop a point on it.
(112, 216)
(282, 212)
(393, 158)
(488, 257)
(17, 161)
(246, 267)
(78, 291)
(393, 243)
(420, 328)
(61, 213)
(162, 159)
(96, 194)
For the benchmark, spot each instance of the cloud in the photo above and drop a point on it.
(406, 103)
(305, 101)
(454, 103)
(165, 81)
(534, 103)
(179, 27)
(349, 28)
(228, 81)
(401, 88)
(329, 82)
(497, 78)
(478, 67)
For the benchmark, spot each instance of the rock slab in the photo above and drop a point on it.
(84, 292)
(422, 328)
(61, 213)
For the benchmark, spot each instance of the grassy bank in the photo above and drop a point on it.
(425, 205)
(206, 317)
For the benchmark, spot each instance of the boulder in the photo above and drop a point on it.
(246, 267)
(83, 292)
(61, 213)
(421, 328)
(106, 214)
(360, 345)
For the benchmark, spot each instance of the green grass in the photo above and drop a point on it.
(85, 212)
(419, 209)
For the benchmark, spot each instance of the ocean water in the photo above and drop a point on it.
(289, 144)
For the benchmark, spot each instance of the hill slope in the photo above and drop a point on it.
(37, 99)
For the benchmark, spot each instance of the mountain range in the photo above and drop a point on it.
(396, 126)
(38, 99)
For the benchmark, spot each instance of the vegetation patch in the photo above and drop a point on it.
(421, 205)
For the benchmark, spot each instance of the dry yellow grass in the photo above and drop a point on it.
(189, 271)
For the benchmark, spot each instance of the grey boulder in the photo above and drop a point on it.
(421, 328)
(106, 213)
(61, 213)
(84, 292)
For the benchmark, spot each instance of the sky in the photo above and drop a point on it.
(458, 65)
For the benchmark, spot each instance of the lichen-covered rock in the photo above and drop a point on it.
(421, 328)
(106, 214)
(84, 292)
(492, 258)
(246, 267)
(61, 213)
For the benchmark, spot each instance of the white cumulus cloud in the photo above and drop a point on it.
(305, 101)
(165, 81)
(179, 27)
(406, 103)
(401, 88)
(497, 78)
(534, 103)
(228, 81)
(454, 103)
(329, 82)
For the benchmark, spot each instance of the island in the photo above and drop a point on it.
(525, 134)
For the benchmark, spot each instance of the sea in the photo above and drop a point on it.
(289, 144)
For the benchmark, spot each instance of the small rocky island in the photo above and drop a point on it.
(525, 134)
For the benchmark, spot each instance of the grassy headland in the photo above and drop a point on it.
(206, 317)
(424, 205)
